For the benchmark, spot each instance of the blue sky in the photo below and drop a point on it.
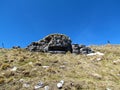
(85, 21)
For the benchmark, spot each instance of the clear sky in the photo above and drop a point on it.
(85, 21)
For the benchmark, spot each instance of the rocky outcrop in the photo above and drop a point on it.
(54, 43)
(58, 43)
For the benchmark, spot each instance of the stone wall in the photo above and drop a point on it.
(58, 43)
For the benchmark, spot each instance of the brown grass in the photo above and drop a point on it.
(80, 72)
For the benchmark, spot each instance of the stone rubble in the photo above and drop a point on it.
(39, 85)
(46, 87)
(13, 69)
(26, 85)
(81, 49)
(21, 80)
(60, 84)
(58, 44)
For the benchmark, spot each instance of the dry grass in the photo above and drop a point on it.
(80, 72)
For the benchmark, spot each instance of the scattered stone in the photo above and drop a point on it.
(62, 81)
(64, 63)
(22, 80)
(30, 63)
(62, 67)
(45, 67)
(116, 62)
(99, 59)
(46, 87)
(14, 69)
(108, 89)
(97, 53)
(118, 75)
(26, 85)
(39, 85)
(60, 84)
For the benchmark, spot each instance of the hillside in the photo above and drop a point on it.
(22, 70)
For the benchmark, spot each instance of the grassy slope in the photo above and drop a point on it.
(79, 72)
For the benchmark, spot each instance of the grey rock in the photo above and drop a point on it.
(58, 44)
(76, 51)
(54, 43)
(60, 84)
(46, 87)
(39, 85)
(75, 48)
(85, 50)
